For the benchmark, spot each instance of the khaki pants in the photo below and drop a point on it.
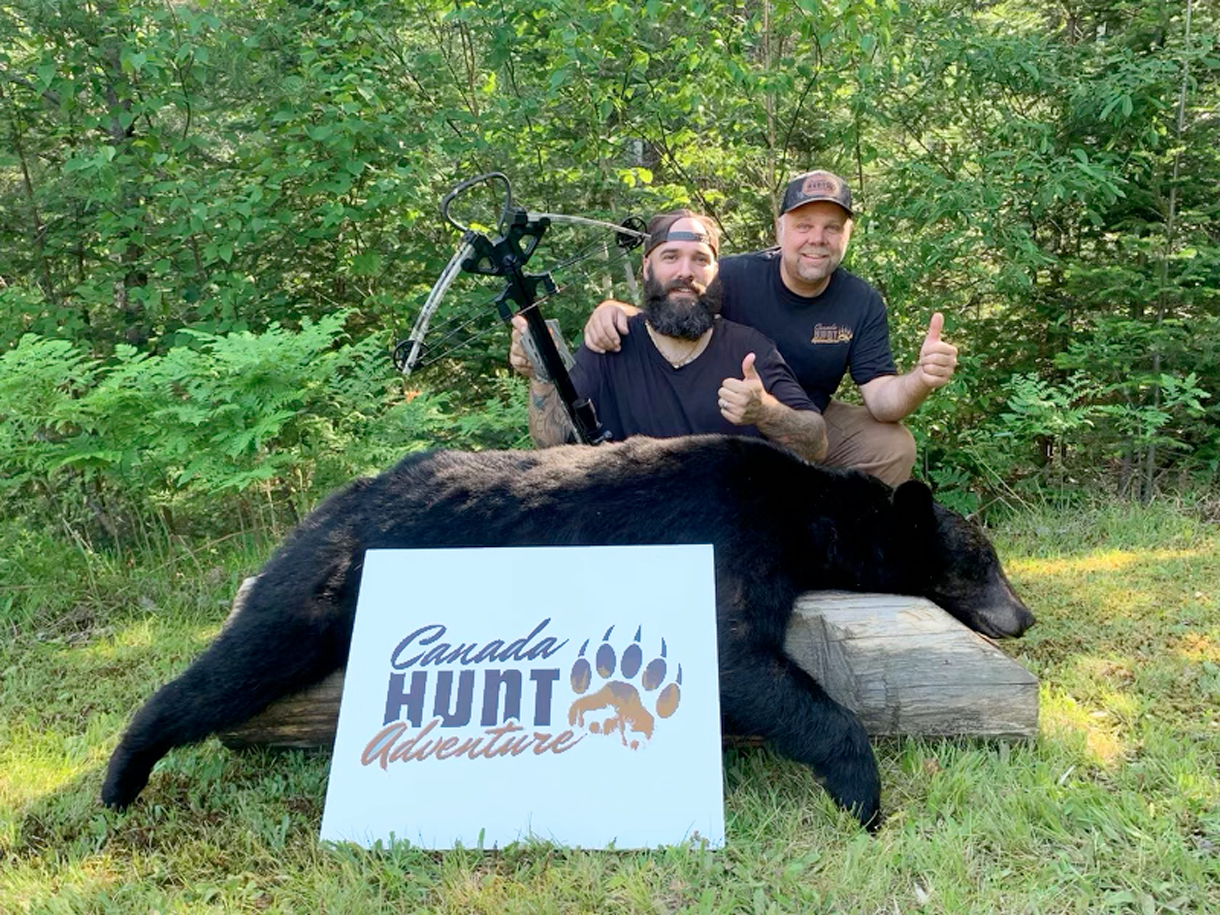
(855, 439)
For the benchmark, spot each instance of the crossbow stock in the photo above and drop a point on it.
(518, 234)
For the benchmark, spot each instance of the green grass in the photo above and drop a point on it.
(1115, 808)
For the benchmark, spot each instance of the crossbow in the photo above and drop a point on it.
(518, 234)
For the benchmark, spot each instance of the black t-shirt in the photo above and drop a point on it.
(637, 392)
(820, 337)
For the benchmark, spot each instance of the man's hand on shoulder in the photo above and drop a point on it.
(937, 357)
(606, 327)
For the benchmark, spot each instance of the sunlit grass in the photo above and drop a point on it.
(1115, 808)
(1107, 561)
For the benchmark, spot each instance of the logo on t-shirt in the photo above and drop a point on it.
(831, 333)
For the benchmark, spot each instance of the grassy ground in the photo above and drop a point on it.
(1115, 808)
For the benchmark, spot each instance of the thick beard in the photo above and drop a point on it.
(681, 316)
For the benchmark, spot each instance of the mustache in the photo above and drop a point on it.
(676, 285)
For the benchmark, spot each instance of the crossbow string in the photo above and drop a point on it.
(518, 235)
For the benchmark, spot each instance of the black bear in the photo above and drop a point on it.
(779, 526)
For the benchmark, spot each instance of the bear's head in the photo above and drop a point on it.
(956, 566)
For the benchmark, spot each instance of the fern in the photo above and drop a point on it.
(286, 414)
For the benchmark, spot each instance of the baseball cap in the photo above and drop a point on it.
(816, 185)
(660, 225)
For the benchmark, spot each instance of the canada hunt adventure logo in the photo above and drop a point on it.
(498, 699)
(831, 333)
(489, 702)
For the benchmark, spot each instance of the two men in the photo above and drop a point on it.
(680, 369)
(825, 322)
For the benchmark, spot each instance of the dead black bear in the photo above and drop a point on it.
(779, 526)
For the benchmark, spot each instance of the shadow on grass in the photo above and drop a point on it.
(205, 793)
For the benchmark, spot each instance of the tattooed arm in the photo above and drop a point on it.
(746, 401)
(548, 420)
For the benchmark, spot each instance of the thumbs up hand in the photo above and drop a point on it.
(748, 372)
(937, 357)
(743, 400)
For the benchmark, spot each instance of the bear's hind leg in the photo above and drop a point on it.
(257, 659)
(765, 693)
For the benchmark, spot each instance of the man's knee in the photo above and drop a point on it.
(897, 452)
(857, 440)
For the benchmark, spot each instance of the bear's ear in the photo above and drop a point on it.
(913, 506)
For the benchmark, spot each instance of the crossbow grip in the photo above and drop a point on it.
(580, 410)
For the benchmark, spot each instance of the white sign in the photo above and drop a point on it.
(566, 694)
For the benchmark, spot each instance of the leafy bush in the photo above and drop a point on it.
(270, 419)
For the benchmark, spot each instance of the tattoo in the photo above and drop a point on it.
(548, 420)
(801, 431)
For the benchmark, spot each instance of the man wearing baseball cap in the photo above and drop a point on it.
(681, 369)
(825, 322)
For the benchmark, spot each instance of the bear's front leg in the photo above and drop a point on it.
(765, 693)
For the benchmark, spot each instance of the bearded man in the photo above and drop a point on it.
(827, 322)
(685, 370)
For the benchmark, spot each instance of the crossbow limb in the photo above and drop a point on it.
(519, 233)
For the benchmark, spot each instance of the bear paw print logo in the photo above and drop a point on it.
(621, 706)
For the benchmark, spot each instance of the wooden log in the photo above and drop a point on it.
(305, 719)
(301, 721)
(902, 663)
(905, 666)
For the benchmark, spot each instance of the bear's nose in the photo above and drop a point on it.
(1025, 619)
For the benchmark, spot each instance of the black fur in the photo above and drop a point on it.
(779, 526)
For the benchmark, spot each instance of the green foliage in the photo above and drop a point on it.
(1054, 198)
(1045, 176)
(136, 436)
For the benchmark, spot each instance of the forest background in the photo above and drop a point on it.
(216, 219)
